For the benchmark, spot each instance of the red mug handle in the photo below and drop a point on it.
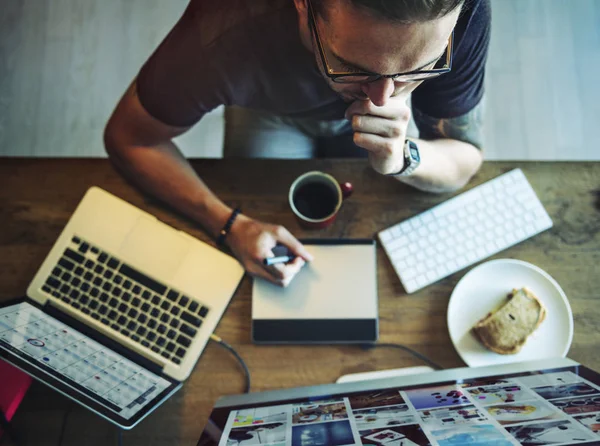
(347, 189)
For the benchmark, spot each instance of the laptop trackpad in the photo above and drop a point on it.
(154, 248)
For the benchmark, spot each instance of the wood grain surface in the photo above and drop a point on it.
(37, 198)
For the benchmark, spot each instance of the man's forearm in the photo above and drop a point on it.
(446, 165)
(163, 172)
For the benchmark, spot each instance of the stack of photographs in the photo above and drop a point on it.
(559, 408)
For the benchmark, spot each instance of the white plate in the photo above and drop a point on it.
(482, 290)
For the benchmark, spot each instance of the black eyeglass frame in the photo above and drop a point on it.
(338, 77)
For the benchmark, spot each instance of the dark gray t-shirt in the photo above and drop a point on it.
(249, 53)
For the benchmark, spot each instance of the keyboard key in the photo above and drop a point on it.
(78, 271)
(171, 334)
(174, 323)
(170, 347)
(95, 316)
(107, 286)
(142, 318)
(76, 240)
(65, 288)
(123, 308)
(113, 302)
(151, 336)
(203, 311)
(85, 311)
(66, 276)
(135, 338)
(126, 297)
(154, 312)
(103, 309)
(112, 315)
(184, 301)
(76, 281)
(131, 325)
(75, 256)
(75, 305)
(145, 343)
(99, 269)
(89, 263)
(118, 280)
(152, 323)
(141, 330)
(180, 352)
(165, 305)
(105, 321)
(108, 274)
(188, 317)
(125, 332)
(155, 349)
(117, 292)
(85, 287)
(84, 247)
(94, 304)
(53, 282)
(141, 278)
(155, 300)
(194, 306)
(132, 312)
(57, 271)
(136, 303)
(161, 341)
(66, 264)
(145, 307)
(95, 250)
(165, 355)
(104, 297)
(182, 340)
(175, 311)
(165, 318)
(74, 294)
(137, 289)
(127, 284)
(176, 360)
(172, 295)
(161, 329)
(122, 320)
(186, 329)
(98, 281)
(146, 294)
(113, 263)
(115, 327)
(46, 289)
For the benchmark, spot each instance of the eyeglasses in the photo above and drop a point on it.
(350, 76)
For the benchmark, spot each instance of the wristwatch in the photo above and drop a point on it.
(412, 159)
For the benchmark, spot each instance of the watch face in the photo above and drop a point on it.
(414, 153)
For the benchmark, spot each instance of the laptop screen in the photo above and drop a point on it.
(559, 406)
(78, 365)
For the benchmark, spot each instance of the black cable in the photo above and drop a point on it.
(407, 349)
(224, 344)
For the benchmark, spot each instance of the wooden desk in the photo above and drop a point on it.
(37, 198)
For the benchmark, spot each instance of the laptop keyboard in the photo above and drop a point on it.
(126, 300)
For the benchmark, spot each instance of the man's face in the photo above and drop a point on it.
(353, 39)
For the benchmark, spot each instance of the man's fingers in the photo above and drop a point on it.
(376, 144)
(285, 237)
(394, 109)
(377, 126)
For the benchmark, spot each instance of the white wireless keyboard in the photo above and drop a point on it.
(464, 230)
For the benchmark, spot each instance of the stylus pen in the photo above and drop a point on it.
(281, 259)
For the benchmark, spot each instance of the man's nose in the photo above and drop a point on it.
(379, 91)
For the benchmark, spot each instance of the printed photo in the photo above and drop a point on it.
(252, 435)
(473, 435)
(336, 433)
(592, 421)
(437, 397)
(316, 413)
(511, 393)
(261, 415)
(554, 432)
(568, 390)
(574, 406)
(382, 417)
(534, 410)
(550, 379)
(376, 399)
(450, 416)
(479, 382)
(411, 435)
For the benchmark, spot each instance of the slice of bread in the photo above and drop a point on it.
(506, 329)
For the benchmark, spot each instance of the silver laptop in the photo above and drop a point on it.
(554, 401)
(120, 310)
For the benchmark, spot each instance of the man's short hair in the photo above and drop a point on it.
(401, 11)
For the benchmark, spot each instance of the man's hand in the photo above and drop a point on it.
(251, 241)
(381, 131)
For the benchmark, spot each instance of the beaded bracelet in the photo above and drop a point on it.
(227, 227)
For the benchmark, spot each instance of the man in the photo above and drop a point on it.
(308, 71)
